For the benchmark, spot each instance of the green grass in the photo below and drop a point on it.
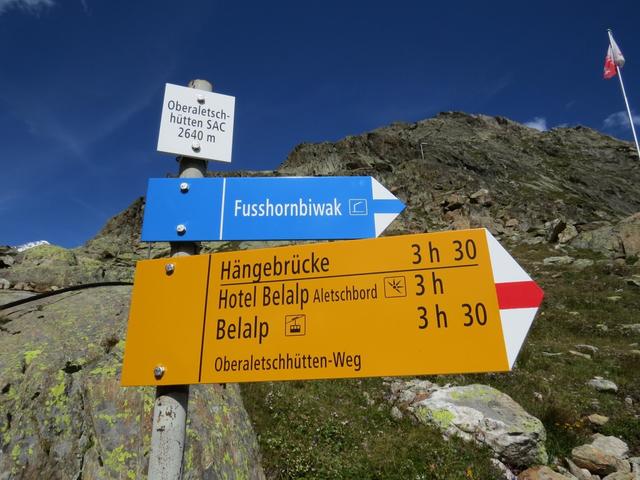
(329, 429)
(343, 429)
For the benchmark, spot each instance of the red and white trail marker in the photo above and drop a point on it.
(518, 297)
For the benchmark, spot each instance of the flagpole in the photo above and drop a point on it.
(624, 95)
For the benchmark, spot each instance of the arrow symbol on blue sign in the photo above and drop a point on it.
(267, 208)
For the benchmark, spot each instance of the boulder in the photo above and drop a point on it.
(598, 420)
(396, 413)
(629, 233)
(568, 234)
(23, 286)
(65, 415)
(558, 260)
(598, 461)
(580, 354)
(621, 476)
(579, 473)
(602, 239)
(610, 445)
(602, 385)
(541, 473)
(630, 329)
(582, 263)
(6, 261)
(487, 416)
(587, 348)
(617, 241)
(481, 197)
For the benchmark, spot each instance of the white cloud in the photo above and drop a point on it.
(620, 120)
(33, 6)
(539, 123)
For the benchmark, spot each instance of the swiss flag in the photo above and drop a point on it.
(613, 59)
(610, 69)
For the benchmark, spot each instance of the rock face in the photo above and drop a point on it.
(63, 413)
(473, 170)
(52, 265)
(120, 237)
(479, 413)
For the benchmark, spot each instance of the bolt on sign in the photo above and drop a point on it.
(196, 123)
(448, 302)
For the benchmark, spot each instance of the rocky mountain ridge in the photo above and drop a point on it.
(569, 185)
(574, 191)
(471, 170)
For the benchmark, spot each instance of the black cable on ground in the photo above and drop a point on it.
(62, 290)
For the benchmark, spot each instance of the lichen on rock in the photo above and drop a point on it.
(485, 415)
(63, 413)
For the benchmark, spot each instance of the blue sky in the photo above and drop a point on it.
(81, 84)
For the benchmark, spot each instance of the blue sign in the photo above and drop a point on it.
(267, 208)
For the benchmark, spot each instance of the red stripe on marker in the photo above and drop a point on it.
(519, 295)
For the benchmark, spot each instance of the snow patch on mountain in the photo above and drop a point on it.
(27, 246)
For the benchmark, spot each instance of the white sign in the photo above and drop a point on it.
(196, 123)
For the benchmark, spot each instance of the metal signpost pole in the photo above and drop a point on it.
(170, 409)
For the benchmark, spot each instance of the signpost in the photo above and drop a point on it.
(196, 123)
(267, 208)
(170, 407)
(449, 302)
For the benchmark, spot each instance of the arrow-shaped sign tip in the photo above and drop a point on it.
(387, 206)
(518, 297)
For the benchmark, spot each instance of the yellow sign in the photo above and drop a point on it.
(405, 305)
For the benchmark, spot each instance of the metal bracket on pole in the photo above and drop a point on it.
(170, 410)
